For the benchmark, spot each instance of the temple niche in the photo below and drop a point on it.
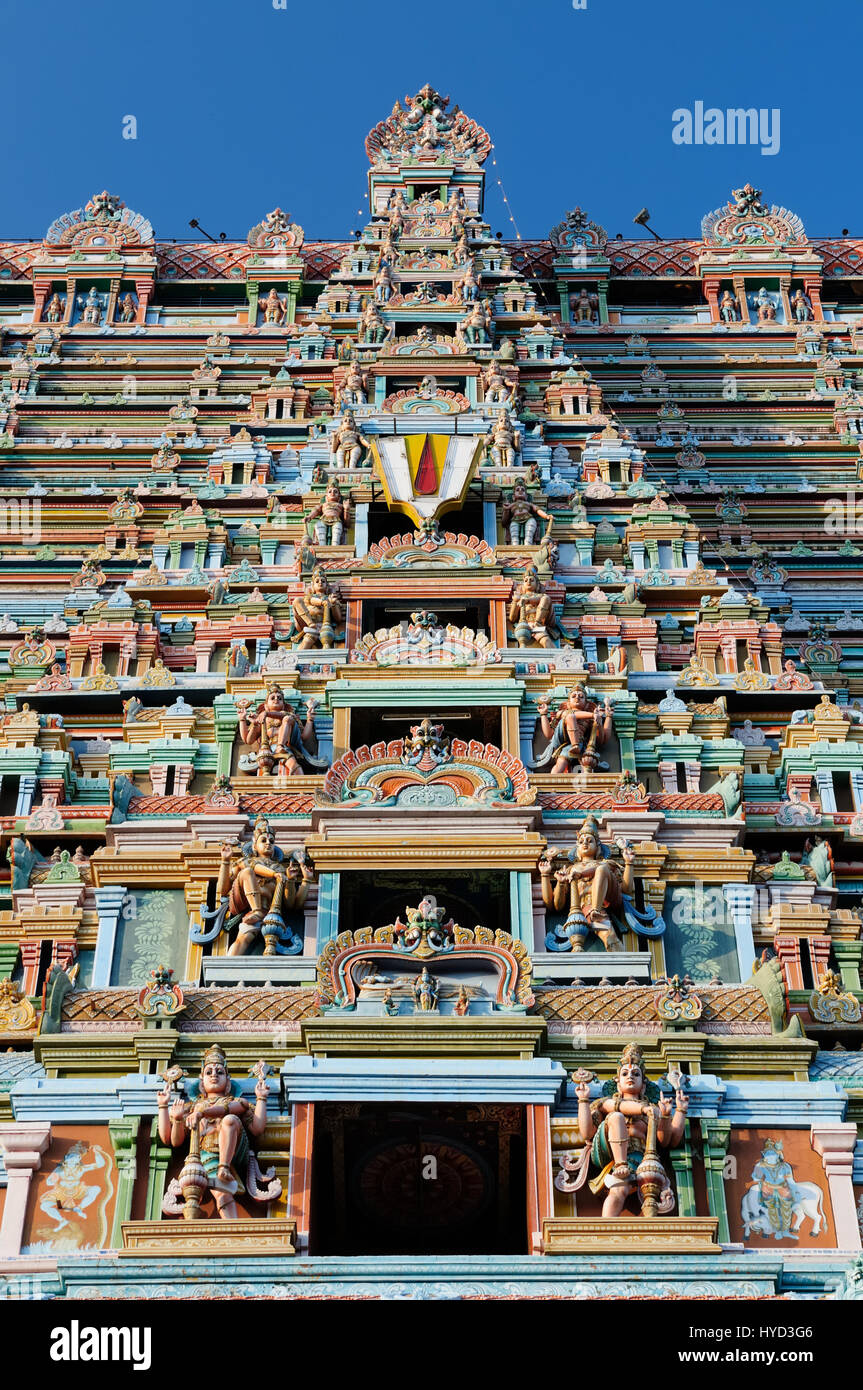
(430, 770)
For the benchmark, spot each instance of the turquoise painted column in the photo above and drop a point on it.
(124, 1140)
(158, 1169)
(681, 1162)
(361, 529)
(328, 909)
(521, 907)
(109, 901)
(716, 1134)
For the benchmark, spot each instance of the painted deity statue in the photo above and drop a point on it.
(374, 330)
(281, 746)
(348, 442)
(521, 516)
(622, 1130)
(476, 325)
(258, 882)
(127, 309)
(426, 991)
(353, 390)
(503, 442)
(91, 306)
(383, 283)
(585, 306)
(222, 1121)
(273, 307)
(530, 611)
(590, 887)
(497, 391)
(54, 309)
(801, 307)
(728, 308)
(330, 516)
(765, 306)
(318, 612)
(581, 728)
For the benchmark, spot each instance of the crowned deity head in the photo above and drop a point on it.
(274, 702)
(631, 1076)
(588, 842)
(215, 1079)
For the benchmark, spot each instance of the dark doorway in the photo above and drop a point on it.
(419, 1179)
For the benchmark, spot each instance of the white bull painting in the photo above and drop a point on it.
(775, 1204)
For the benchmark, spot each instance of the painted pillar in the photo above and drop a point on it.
(521, 907)
(681, 1163)
(157, 1173)
(835, 1145)
(739, 901)
(361, 529)
(715, 1135)
(489, 523)
(540, 1191)
(23, 1145)
(124, 1141)
(847, 958)
(300, 1170)
(109, 901)
(328, 909)
(9, 952)
(26, 789)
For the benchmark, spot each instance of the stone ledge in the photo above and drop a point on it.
(246, 1236)
(685, 1235)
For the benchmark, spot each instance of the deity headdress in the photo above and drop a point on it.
(590, 826)
(273, 688)
(772, 1144)
(214, 1055)
(632, 1056)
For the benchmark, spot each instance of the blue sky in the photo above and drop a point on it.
(241, 106)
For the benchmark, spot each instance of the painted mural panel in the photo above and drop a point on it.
(71, 1199)
(152, 930)
(700, 938)
(777, 1192)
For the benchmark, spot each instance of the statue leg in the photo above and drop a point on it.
(530, 531)
(513, 533)
(609, 938)
(355, 456)
(243, 943)
(321, 532)
(225, 1205)
(337, 533)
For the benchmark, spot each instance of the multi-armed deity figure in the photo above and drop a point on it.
(281, 746)
(521, 516)
(318, 613)
(590, 887)
(257, 884)
(581, 727)
(765, 306)
(503, 442)
(273, 307)
(348, 442)
(622, 1130)
(497, 390)
(91, 307)
(530, 611)
(218, 1121)
(331, 516)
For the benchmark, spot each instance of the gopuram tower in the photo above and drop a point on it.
(431, 757)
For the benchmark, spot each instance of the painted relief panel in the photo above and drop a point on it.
(777, 1192)
(699, 939)
(152, 930)
(71, 1199)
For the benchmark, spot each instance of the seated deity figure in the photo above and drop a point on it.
(280, 745)
(582, 726)
(588, 888)
(765, 306)
(318, 612)
(54, 309)
(497, 390)
(585, 306)
(521, 516)
(260, 881)
(503, 442)
(348, 442)
(374, 330)
(331, 516)
(127, 309)
(728, 307)
(273, 307)
(622, 1128)
(801, 307)
(530, 611)
(353, 389)
(223, 1123)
